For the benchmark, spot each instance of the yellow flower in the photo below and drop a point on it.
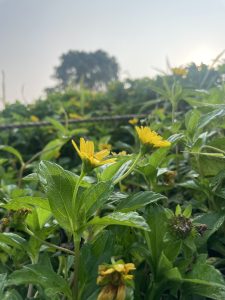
(118, 268)
(149, 137)
(133, 121)
(113, 278)
(89, 157)
(105, 146)
(75, 116)
(34, 118)
(108, 293)
(121, 153)
(179, 71)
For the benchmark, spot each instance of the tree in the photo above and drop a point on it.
(94, 70)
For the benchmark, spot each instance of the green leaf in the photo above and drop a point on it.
(209, 117)
(57, 125)
(2, 283)
(178, 210)
(164, 265)
(138, 200)
(131, 219)
(204, 280)
(27, 202)
(188, 211)
(59, 186)
(210, 165)
(204, 288)
(38, 218)
(114, 171)
(191, 121)
(51, 150)
(12, 239)
(157, 221)
(41, 274)
(94, 197)
(157, 157)
(13, 151)
(31, 177)
(12, 295)
(213, 221)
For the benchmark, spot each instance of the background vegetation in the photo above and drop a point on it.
(158, 216)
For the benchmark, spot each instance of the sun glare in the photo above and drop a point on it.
(203, 54)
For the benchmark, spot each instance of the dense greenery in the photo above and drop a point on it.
(148, 223)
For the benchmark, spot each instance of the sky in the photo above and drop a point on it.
(141, 34)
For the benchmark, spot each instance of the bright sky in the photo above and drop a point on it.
(140, 33)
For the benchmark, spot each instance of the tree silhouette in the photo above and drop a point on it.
(94, 70)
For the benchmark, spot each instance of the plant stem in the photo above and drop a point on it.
(75, 282)
(82, 174)
(129, 170)
(213, 148)
(156, 290)
(49, 244)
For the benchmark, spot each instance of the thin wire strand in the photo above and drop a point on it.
(73, 121)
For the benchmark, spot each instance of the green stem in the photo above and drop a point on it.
(76, 265)
(31, 286)
(49, 244)
(129, 170)
(82, 174)
(155, 292)
(174, 109)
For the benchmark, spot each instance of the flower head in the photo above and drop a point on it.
(113, 278)
(133, 121)
(149, 137)
(34, 118)
(115, 273)
(89, 157)
(179, 71)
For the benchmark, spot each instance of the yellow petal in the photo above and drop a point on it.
(102, 154)
(119, 268)
(76, 148)
(82, 145)
(107, 272)
(129, 267)
(107, 161)
(128, 277)
(121, 293)
(107, 293)
(90, 148)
